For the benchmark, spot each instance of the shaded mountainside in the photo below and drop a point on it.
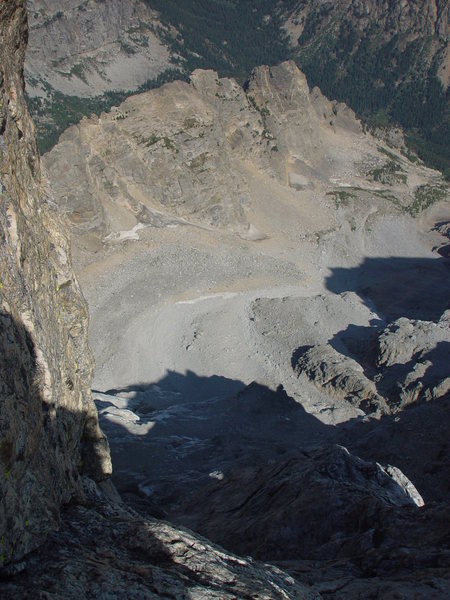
(389, 61)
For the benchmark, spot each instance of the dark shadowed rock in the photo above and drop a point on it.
(317, 504)
(109, 551)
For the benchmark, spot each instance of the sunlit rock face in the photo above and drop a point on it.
(199, 154)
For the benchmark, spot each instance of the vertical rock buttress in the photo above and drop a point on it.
(49, 432)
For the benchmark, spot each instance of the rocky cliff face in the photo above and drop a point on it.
(49, 434)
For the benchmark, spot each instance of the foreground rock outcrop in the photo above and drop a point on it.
(49, 433)
(105, 550)
(261, 477)
(320, 504)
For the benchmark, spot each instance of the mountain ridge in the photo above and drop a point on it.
(387, 61)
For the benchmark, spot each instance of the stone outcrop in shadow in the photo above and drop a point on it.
(108, 550)
(257, 474)
(405, 361)
(45, 447)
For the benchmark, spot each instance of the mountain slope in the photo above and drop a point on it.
(85, 55)
(388, 60)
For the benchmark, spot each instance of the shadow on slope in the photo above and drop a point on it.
(186, 386)
(417, 288)
(257, 474)
(414, 440)
(175, 435)
(42, 441)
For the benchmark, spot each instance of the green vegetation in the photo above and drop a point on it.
(78, 71)
(342, 197)
(126, 48)
(168, 143)
(61, 111)
(199, 161)
(263, 110)
(229, 36)
(425, 196)
(154, 139)
(384, 84)
(390, 155)
(390, 173)
(190, 123)
(58, 15)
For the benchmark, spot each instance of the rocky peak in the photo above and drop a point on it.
(165, 156)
